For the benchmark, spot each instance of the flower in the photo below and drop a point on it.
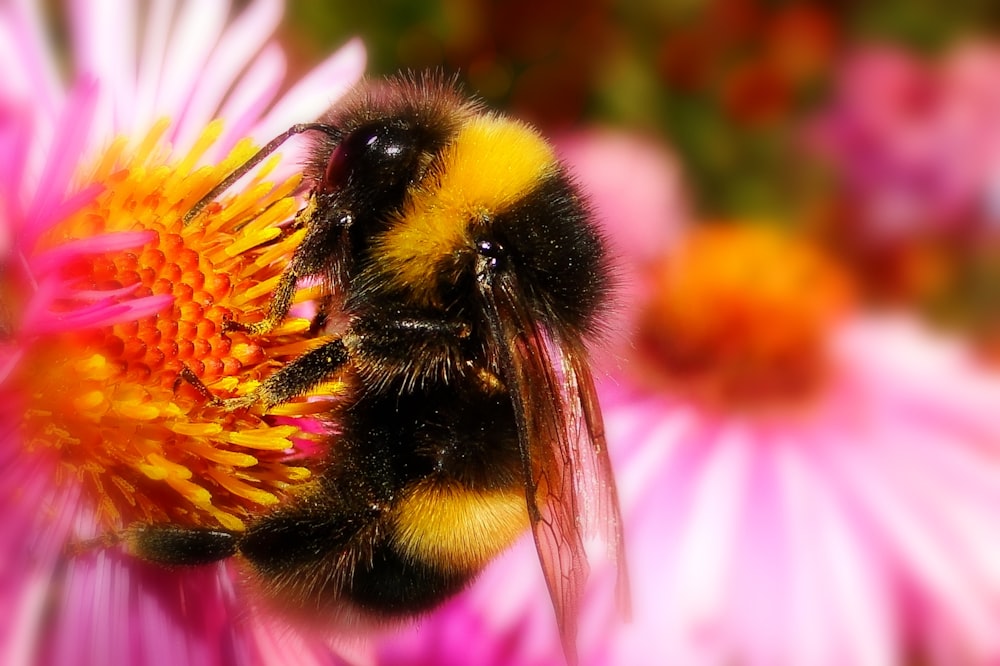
(915, 141)
(804, 482)
(109, 300)
(916, 153)
(801, 482)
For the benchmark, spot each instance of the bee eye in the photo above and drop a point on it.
(381, 154)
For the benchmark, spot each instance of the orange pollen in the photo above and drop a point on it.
(146, 444)
(740, 316)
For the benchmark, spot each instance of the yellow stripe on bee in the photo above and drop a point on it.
(492, 163)
(456, 527)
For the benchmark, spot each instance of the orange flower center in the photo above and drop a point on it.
(739, 317)
(111, 396)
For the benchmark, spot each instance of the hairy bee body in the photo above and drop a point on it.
(393, 529)
(470, 273)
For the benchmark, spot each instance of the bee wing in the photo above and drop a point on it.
(567, 472)
(595, 481)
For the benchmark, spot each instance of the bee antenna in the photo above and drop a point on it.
(242, 170)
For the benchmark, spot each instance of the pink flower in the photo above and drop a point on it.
(916, 142)
(858, 532)
(801, 484)
(81, 216)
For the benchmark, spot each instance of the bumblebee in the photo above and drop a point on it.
(471, 273)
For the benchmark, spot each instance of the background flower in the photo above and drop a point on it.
(914, 140)
(913, 150)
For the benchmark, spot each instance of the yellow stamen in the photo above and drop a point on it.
(112, 399)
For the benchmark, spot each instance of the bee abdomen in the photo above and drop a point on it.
(433, 540)
(440, 537)
(393, 584)
(461, 527)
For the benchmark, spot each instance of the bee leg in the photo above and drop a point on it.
(281, 302)
(323, 243)
(186, 374)
(172, 545)
(295, 378)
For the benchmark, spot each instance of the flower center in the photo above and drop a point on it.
(739, 317)
(136, 302)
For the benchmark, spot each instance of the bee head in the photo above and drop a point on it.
(385, 136)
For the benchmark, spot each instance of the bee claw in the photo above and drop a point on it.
(227, 404)
(259, 328)
(230, 324)
(186, 374)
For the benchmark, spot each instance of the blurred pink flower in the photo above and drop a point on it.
(131, 66)
(858, 532)
(801, 484)
(916, 142)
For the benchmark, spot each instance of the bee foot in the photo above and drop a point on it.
(186, 374)
(230, 324)
(102, 542)
(260, 328)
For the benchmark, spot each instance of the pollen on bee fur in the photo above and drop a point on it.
(110, 396)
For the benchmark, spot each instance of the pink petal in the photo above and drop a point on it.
(37, 523)
(705, 559)
(49, 260)
(919, 461)
(315, 92)
(276, 644)
(71, 137)
(242, 40)
(34, 62)
(917, 550)
(155, 34)
(194, 35)
(758, 615)
(15, 143)
(104, 41)
(250, 97)
(656, 441)
(105, 313)
(833, 576)
(158, 616)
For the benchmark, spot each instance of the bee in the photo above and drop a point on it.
(471, 274)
